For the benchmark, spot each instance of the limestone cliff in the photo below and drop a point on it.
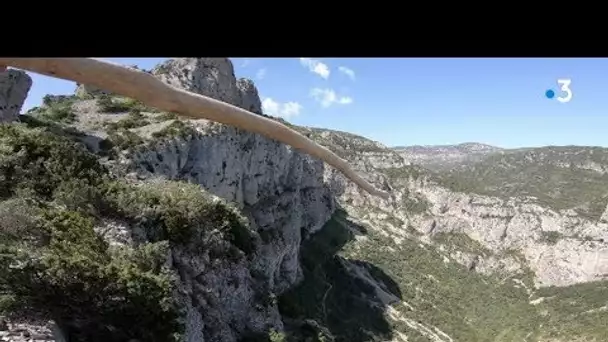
(429, 264)
(14, 87)
(281, 190)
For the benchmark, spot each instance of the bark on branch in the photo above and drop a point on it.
(155, 93)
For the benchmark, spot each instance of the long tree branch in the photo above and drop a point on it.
(155, 93)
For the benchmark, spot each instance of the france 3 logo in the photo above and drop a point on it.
(564, 87)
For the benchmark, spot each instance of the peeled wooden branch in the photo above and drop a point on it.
(155, 93)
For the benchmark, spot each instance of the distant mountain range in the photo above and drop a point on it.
(445, 156)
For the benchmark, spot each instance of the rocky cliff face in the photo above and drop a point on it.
(14, 87)
(427, 236)
(579, 252)
(213, 77)
(282, 191)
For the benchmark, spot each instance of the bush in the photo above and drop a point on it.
(52, 193)
(107, 104)
(179, 212)
(133, 120)
(177, 129)
(167, 116)
(18, 223)
(121, 140)
(112, 104)
(94, 293)
(40, 161)
(56, 109)
(550, 237)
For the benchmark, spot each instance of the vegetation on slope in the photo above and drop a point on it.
(466, 305)
(119, 104)
(578, 311)
(55, 108)
(560, 177)
(331, 295)
(427, 289)
(345, 145)
(53, 193)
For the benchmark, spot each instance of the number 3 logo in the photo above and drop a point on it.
(565, 87)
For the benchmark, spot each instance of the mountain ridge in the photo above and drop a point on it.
(309, 255)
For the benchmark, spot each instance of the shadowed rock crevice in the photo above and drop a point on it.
(348, 304)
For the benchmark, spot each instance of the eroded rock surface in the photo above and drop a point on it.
(287, 196)
(213, 77)
(14, 87)
(282, 192)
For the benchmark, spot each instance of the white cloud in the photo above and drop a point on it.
(261, 74)
(348, 72)
(284, 110)
(328, 97)
(245, 62)
(316, 67)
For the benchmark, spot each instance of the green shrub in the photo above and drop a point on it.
(177, 129)
(276, 336)
(8, 303)
(18, 224)
(52, 193)
(133, 120)
(114, 104)
(179, 212)
(39, 160)
(55, 108)
(122, 139)
(413, 204)
(107, 104)
(550, 237)
(167, 116)
(94, 293)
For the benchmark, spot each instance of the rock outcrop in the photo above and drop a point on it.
(282, 191)
(287, 196)
(247, 169)
(14, 87)
(213, 77)
(579, 255)
(29, 330)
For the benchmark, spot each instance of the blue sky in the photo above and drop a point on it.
(416, 101)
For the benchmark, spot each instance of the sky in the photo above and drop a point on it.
(423, 101)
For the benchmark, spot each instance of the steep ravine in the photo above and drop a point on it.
(325, 260)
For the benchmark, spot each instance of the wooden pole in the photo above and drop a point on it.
(155, 93)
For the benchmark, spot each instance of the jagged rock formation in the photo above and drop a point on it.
(263, 178)
(14, 87)
(213, 77)
(429, 264)
(579, 255)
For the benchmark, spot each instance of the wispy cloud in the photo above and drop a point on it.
(328, 97)
(261, 74)
(245, 62)
(347, 71)
(316, 67)
(285, 110)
